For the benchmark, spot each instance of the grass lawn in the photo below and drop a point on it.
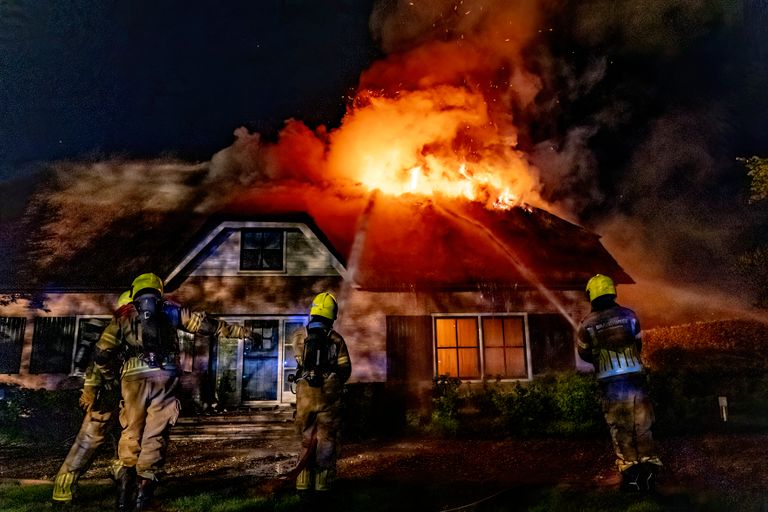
(358, 496)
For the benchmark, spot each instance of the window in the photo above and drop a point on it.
(11, 342)
(260, 356)
(475, 347)
(52, 345)
(261, 249)
(88, 332)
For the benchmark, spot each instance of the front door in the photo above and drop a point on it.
(256, 371)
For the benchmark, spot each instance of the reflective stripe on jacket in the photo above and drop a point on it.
(611, 340)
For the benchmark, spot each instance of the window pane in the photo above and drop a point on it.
(261, 249)
(446, 332)
(516, 363)
(260, 361)
(447, 363)
(289, 354)
(494, 362)
(88, 332)
(469, 363)
(493, 336)
(11, 342)
(467, 332)
(513, 332)
(52, 344)
(187, 350)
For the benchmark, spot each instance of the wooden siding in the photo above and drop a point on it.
(304, 256)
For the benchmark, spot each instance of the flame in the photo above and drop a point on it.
(441, 140)
(438, 115)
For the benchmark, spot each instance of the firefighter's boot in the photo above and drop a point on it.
(304, 480)
(631, 479)
(146, 491)
(65, 486)
(323, 480)
(647, 478)
(126, 489)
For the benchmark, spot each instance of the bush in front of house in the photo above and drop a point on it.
(446, 401)
(38, 416)
(561, 404)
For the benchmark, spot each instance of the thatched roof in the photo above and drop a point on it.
(386, 243)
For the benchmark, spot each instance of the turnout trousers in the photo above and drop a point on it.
(94, 429)
(318, 411)
(629, 414)
(148, 410)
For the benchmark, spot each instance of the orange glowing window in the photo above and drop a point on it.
(504, 347)
(474, 347)
(458, 348)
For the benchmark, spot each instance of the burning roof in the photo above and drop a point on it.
(386, 242)
(406, 242)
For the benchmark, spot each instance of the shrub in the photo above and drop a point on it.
(559, 404)
(445, 406)
(39, 416)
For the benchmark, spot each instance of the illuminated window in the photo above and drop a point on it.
(52, 344)
(261, 249)
(11, 342)
(475, 347)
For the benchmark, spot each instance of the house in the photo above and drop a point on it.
(426, 287)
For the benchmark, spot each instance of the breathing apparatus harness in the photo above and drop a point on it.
(318, 359)
(158, 337)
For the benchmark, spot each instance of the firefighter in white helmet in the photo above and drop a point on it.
(100, 400)
(323, 368)
(609, 338)
(140, 345)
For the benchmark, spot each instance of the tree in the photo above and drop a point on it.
(754, 263)
(757, 170)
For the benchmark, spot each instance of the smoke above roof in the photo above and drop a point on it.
(546, 103)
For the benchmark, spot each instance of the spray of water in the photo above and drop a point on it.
(521, 267)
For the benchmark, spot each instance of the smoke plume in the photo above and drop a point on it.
(546, 102)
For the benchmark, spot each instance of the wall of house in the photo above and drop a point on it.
(50, 306)
(306, 255)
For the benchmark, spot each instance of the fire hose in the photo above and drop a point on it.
(288, 478)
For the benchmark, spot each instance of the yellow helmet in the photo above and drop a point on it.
(146, 281)
(124, 298)
(325, 305)
(600, 285)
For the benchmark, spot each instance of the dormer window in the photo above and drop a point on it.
(262, 249)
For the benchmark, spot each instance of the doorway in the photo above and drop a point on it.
(255, 371)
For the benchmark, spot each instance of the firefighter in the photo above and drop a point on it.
(323, 368)
(143, 335)
(100, 412)
(609, 338)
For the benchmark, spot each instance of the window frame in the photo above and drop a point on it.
(285, 396)
(76, 342)
(283, 250)
(481, 344)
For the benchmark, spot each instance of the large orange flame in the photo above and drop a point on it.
(437, 115)
(439, 140)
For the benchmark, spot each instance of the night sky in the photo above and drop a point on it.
(645, 105)
(144, 78)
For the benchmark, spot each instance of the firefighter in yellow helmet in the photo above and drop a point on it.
(609, 338)
(140, 346)
(323, 368)
(100, 412)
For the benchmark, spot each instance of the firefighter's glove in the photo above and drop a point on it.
(88, 396)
